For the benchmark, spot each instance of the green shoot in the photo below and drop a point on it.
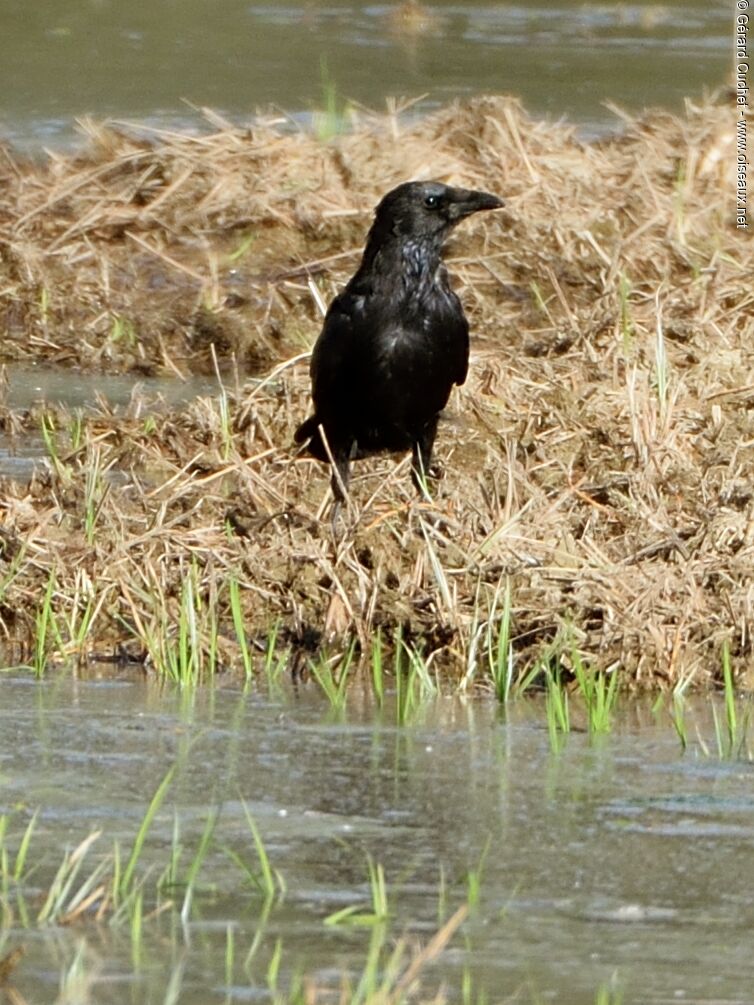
(539, 299)
(125, 884)
(730, 734)
(474, 879)
(238, 625)
(377, 673)
(273, 967)
(196, 864)
(265, 879)
(244, 245)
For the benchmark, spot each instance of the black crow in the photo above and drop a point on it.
(396, 339)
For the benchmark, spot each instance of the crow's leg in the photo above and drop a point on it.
(339, 478)
(338, 453)
(421, 457)
(341, 463)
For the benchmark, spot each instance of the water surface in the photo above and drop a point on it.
(26, 385)
(151, 61)
(623, 863)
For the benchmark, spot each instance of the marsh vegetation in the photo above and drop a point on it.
(595, 508)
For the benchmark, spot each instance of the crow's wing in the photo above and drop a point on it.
(329, 367)
(461, 349)
(457, 333)
(332, 357)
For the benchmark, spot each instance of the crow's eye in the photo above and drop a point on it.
(432, 201)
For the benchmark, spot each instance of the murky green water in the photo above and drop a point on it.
(63, 58)
(623, 864)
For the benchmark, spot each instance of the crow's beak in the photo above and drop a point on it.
(466, 201)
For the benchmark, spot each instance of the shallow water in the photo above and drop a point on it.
(624, 863)
(28, 384)
(64, 58)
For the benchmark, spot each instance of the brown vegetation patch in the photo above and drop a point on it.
(599, 457)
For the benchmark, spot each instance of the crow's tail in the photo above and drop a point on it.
(309, 430)
(306, 430)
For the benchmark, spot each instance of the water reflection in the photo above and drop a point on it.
(623, 857)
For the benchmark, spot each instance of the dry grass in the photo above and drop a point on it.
(600, 455)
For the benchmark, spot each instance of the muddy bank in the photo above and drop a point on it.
(598, 459)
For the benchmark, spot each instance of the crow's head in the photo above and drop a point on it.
(428, 209)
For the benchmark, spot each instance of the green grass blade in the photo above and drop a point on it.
(141, 835)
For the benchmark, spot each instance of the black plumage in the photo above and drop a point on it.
(396, 340)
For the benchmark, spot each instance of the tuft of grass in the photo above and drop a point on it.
(66, 900)
(678, 718)
(607, 994)
(77, 980)
(48, 430)
(274, 662)
(122, 332)
(599, 692)
(356, 915)
(45, 626)
(329, 122)
(95, 492)
(414, 682)
(13, 869)
(76, 430)
(334, 682)
(82, 611)
(731, 729)
(499, 648)
(181, 639)
(556, 709)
